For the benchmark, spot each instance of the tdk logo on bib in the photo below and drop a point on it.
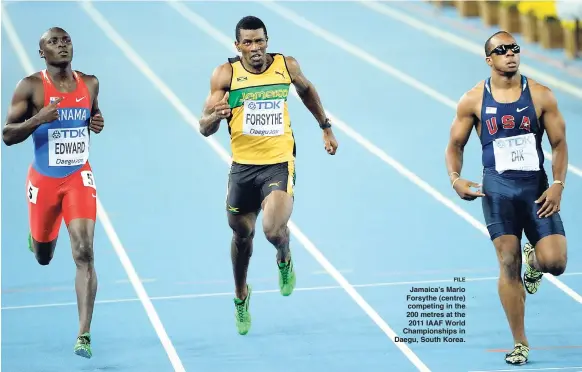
(515, 141)
(264, 105)
(69, 133)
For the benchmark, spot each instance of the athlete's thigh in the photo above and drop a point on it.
(499, 208)
(242, 196)
(80, 196)
(277, 177)
(536, 228)
(44, 206)
(277, 184)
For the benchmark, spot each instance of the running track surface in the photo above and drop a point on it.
(368, 223)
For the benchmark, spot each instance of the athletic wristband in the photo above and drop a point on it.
(561, 183)
(326, 124)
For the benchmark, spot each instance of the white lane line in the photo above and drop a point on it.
(228, 294)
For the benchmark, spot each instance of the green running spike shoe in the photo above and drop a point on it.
(532, 278)
(287, 277)
(242, 315)
(30, 242)
(83, 346)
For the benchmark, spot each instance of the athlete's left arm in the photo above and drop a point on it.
(96, 122)
(556, 130)
(306, 90)
(308, 94)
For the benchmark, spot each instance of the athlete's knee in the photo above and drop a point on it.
(243, 237)
(44, 258)
(243, 229)
(556, 268)
(276, 235)
(82, 246)
(551, 255)
(44, 252)
(509, 257)
(552, 263)
(82, 251)
(81, 234)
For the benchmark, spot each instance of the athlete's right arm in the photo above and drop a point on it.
(459, 136)
(20, 123)
(216, 106)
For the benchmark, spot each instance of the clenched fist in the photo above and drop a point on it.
(49, 113)
(222, 108)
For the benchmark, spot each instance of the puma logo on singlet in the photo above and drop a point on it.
(280, 73)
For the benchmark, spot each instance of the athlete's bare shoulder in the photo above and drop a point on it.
(90, 80)
(30, 81)
(470, 102)
(290, 60)
(223, 71)
(86, 77)
(541, 94)
(27, 99)
(292, 65)
(296, 75)
(30, 89)
(221, 77)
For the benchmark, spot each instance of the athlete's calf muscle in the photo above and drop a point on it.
(277, 210)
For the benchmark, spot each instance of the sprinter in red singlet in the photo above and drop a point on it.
(58, 107)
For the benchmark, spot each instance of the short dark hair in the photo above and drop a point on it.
(488, 42)
(47, 32)
(249, 23)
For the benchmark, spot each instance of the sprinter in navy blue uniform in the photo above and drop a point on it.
(510, 114)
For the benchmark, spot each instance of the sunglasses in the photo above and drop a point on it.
(502, 49)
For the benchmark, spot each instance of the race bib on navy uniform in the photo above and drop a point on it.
(68, 146)
(516, 153)
(264, 118)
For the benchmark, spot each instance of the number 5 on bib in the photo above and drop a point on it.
(88, 179)
(32, 193)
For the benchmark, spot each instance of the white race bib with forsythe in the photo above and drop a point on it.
(68, 147)
(264, 118)
(516, 153)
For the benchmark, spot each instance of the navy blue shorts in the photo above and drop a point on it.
(509, 206)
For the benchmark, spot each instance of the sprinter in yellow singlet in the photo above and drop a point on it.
(251, 93)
